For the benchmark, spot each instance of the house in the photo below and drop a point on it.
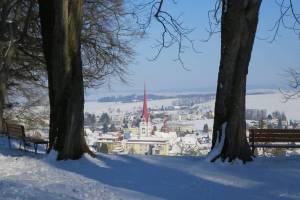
(148, 146)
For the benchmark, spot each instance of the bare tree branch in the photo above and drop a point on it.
(289, 18)
(293, 84)
(214, 16)
(173, 32)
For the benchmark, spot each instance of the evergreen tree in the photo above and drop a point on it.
(205, 128)
(104, 148)
(270, 117)
(105, 128)
(105, 122)
(113, 128)
(279, 126)
(90, 119)
(283, 117)
(125, 123)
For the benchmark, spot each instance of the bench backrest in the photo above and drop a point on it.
(15, 130)
(274, 135)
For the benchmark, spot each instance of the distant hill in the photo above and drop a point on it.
(136, 98)
(204, 96)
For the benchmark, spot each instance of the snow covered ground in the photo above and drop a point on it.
(24, 175)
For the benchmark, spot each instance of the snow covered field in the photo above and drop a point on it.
(100, 107)
(24, 175)
(269, 101)
(273, 102)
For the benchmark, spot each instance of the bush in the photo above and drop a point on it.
(278, 152)
(103, 148)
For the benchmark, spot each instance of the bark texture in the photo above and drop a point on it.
(238, 28)
(61, 23)
(2, 98)
(4, 65)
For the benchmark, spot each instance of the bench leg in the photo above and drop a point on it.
(35, 148)
(9, 144)
(253, 136)
(46, 147)
(24, 145)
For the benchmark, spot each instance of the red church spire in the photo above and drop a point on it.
(145, 116)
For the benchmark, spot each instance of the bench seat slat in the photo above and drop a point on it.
(277, 135)
(272, 139)
(277, 145)
(274, 130)
(36, 140)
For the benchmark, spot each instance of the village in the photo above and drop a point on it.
(177, 129)
(167, 130)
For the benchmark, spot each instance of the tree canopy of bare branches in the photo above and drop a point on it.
(21, 60)
(107, 48)
(107, 41)
(173, 31)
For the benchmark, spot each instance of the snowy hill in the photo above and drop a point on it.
(28, 176)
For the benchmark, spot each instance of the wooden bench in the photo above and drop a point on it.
(16, 131)
(274, 138)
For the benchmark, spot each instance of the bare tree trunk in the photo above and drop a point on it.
(61, 26)
(6, 55)
(6, 62)
(2, 97)
(238, 28)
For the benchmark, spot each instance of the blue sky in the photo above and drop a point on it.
(268, 62)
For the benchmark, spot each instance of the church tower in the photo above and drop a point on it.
(145, 115)
(145, 124)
